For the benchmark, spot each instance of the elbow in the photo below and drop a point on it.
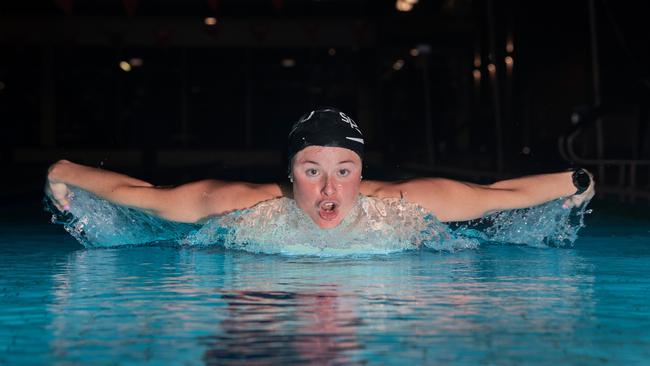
(61, 162)
(55, 170)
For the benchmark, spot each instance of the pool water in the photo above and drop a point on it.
(499, 304)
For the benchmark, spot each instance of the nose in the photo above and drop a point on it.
(329, 186)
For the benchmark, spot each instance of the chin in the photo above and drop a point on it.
(327, 224)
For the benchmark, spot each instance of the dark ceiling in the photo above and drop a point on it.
(232, 8)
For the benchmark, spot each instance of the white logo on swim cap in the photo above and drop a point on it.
(355, 139)
(306, 118)
(351, 122)
(301, 121)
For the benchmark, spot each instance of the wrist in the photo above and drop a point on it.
(581, 180)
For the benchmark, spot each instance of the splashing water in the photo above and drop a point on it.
(548, 224)
(374, 226)
(95, 222)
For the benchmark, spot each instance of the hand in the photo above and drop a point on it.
(59, 194)
(578, 200)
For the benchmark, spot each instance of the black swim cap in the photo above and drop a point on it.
(325, 127)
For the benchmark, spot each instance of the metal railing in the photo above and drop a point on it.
(627, 186)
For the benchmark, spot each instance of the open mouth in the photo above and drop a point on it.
(328, 210)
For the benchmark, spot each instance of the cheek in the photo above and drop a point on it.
(303, 187)
(351, 189)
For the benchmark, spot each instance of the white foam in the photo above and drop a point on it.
(374, 226)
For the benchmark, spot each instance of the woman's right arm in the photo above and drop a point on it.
(186, 203)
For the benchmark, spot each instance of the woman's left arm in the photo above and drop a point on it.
(452, 200)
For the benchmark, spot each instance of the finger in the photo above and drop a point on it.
(60, 202)
(65, 204)
(56, 204)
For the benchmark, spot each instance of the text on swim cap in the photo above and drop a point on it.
(344, 119)
(350, 121)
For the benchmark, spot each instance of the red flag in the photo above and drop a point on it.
(130, 6)
(65, 5)
(214, 5)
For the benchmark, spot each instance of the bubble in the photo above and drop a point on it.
(374, 226)
(544, 225)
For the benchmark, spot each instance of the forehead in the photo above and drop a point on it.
(326, 154)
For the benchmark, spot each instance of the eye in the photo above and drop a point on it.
(311, 172)
(344, 172)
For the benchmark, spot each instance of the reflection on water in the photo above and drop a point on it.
(273, 327)
(498, 304)
(223, 307)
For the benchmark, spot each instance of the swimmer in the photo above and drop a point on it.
(325, 150)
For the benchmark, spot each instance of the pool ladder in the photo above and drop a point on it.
(627, 185)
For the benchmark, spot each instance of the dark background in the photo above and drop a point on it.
(216, 101)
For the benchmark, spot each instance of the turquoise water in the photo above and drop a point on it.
(497, 303)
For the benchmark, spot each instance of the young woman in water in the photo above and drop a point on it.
(325, 151)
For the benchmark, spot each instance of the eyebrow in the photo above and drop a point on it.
(316, 163)
(308, 162)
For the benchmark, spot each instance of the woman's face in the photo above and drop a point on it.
(326, 183)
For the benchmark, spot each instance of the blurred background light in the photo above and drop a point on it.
(403, 6)
(477, 74)
(510, 47)
(136, 62)
(477, 60)
(125, 66)
(423, 48)
(288, 62)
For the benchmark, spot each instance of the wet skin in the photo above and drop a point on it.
(326, 183)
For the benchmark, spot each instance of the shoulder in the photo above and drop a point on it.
(197, 200)
(447, 199)
(409, 188)
(223, 197)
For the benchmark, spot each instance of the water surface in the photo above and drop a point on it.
(499, 304)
